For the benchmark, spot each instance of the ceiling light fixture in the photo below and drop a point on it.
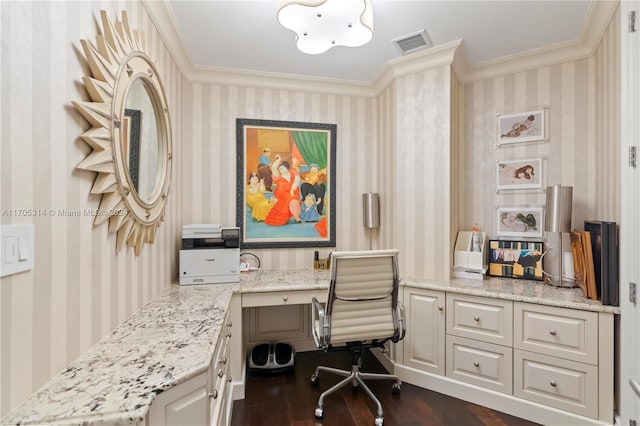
(322, 24)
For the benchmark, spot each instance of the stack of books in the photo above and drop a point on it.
(595, 261)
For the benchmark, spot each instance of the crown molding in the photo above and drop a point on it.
(416, 62)
(165, 22)
(598, 18)
(278, 81)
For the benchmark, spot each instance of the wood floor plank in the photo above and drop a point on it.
(291, 399)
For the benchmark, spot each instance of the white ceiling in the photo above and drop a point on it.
(246, 35)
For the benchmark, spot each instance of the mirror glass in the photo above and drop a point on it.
(140, 140)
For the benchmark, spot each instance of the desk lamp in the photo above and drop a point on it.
(371, 213)
(558, 220)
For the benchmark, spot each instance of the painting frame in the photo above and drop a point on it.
(528, 126)
(301, 158)
(519, 174)
(515, 259)
(520, 222)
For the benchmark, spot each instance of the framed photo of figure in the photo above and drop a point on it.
(515, 259)
(521, 127)
(523, 222)
(286, 183)
(519, 174)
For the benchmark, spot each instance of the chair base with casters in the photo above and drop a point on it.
(362, 311)
(356, 378)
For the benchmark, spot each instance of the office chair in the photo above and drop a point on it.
(362, 311)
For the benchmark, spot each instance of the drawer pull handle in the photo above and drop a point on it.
(440, 308)
(285, 298)
(229, 379)
(220, 373)
(553, 332)
(229, 334)
(229, 324)
(214, 394)
(476, 318)
(553, 383)
(476, 364)
(224, 360)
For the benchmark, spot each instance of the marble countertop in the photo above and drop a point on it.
(166, 342)
(172, 338)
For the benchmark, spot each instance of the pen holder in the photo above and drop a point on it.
(321, 264)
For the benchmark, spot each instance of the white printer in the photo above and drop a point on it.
(210, 254)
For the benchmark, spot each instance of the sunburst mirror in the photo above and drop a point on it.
(130, 134)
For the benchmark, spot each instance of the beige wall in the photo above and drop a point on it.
(79, 290)
(582, 151)
(209, 156)
(401, 143)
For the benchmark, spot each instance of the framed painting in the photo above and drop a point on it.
(524, 222)
(515, 259)
(286, 183)
(522, 127)
(519, 174)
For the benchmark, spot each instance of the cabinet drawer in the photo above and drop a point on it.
(478, 363)
(480, 318)
(560, 383)
(561, 332)
(278, 298)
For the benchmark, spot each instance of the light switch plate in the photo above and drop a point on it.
(17, 246)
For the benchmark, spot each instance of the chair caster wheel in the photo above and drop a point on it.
(319, 413)
(314, 379)
(395, 389)
(379, 421)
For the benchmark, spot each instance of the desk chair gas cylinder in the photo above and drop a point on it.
(361, 311)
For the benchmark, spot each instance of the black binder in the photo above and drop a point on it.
(604, 242)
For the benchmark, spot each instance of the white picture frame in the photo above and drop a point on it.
(525, 126)
(519, 174)
(522, 222)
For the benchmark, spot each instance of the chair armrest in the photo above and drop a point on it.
(320, 332)
(401, 320)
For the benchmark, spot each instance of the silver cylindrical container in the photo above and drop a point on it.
(558, 208)
(371, 210)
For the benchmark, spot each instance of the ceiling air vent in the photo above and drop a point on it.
(412, 42)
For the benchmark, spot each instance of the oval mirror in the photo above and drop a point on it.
(130, 135)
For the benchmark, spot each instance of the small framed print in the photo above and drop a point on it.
(515, 259)
(521, 127)
(523, 222)
(519, 174)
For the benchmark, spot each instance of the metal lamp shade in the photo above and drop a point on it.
(558, 209)
(371, 210)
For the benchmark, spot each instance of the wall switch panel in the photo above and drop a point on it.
(17, 247)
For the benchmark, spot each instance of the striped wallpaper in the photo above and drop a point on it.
(581, 99)
(209, 156)
(79, 290)
(426, 143)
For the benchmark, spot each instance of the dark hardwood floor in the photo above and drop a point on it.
(290, 399)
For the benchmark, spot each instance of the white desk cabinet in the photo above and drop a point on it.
(423, 345)
(556, 358)
(549, 364)
(202, 400)
(182, 405)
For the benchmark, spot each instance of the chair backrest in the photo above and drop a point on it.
(363, 296)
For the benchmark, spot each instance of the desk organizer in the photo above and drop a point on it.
(467, 263)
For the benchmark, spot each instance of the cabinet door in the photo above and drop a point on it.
(424, 342)
(185, 404)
